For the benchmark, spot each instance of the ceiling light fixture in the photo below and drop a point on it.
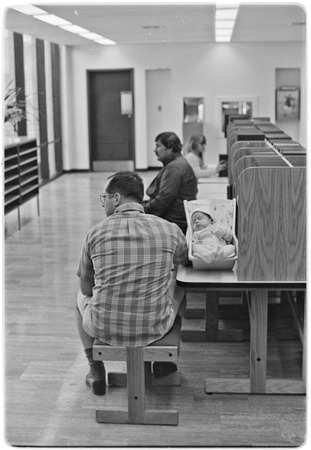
(221, 24)
(74, 29)
(51, 19)
(105, 41)
(29, 10)
(91, 36)
(225, 18)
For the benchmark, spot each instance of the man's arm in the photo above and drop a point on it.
(86, 287)
(170, 183)
(181, 253)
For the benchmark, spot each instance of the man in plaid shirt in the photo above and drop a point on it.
(128, 294)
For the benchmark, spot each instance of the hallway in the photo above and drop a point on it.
(46, 400)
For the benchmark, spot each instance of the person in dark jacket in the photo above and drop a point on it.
(174, 183)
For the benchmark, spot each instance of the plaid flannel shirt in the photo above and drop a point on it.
(130, 255)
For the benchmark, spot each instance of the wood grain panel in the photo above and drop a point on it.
(153, 353)
(237, 146)
(244, 151)
(243, 163)
(272, 224)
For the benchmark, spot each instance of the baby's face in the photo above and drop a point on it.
(200, 221)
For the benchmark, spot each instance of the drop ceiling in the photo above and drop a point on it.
(136, 24)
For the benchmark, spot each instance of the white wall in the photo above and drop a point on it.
(198, 70)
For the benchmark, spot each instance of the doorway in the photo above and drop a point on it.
(111, 120)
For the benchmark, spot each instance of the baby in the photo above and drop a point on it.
(210, 242)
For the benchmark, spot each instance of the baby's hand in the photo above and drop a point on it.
(220, 233)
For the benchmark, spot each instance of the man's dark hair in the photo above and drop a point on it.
(170, 140)
(128, 184)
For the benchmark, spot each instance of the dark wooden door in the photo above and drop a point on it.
(111, 133)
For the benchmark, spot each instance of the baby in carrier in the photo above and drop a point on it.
(210, 242)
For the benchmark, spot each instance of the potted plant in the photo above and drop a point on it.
(14, 105)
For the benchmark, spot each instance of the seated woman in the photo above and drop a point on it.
(211, 242)
(194, 153)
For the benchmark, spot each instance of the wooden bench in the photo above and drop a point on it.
(139, 374)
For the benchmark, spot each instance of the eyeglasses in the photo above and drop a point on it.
(102, 198)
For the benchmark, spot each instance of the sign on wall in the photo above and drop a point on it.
(287, 103)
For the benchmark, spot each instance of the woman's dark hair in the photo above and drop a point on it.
(170, 140)
(128, 184)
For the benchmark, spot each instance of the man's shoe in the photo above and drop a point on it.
(162, 369)
(98, 386)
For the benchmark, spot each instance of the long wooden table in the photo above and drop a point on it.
(257, 294)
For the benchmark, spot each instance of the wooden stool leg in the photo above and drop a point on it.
(136, 384)
(137, 412)
(258, 340)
